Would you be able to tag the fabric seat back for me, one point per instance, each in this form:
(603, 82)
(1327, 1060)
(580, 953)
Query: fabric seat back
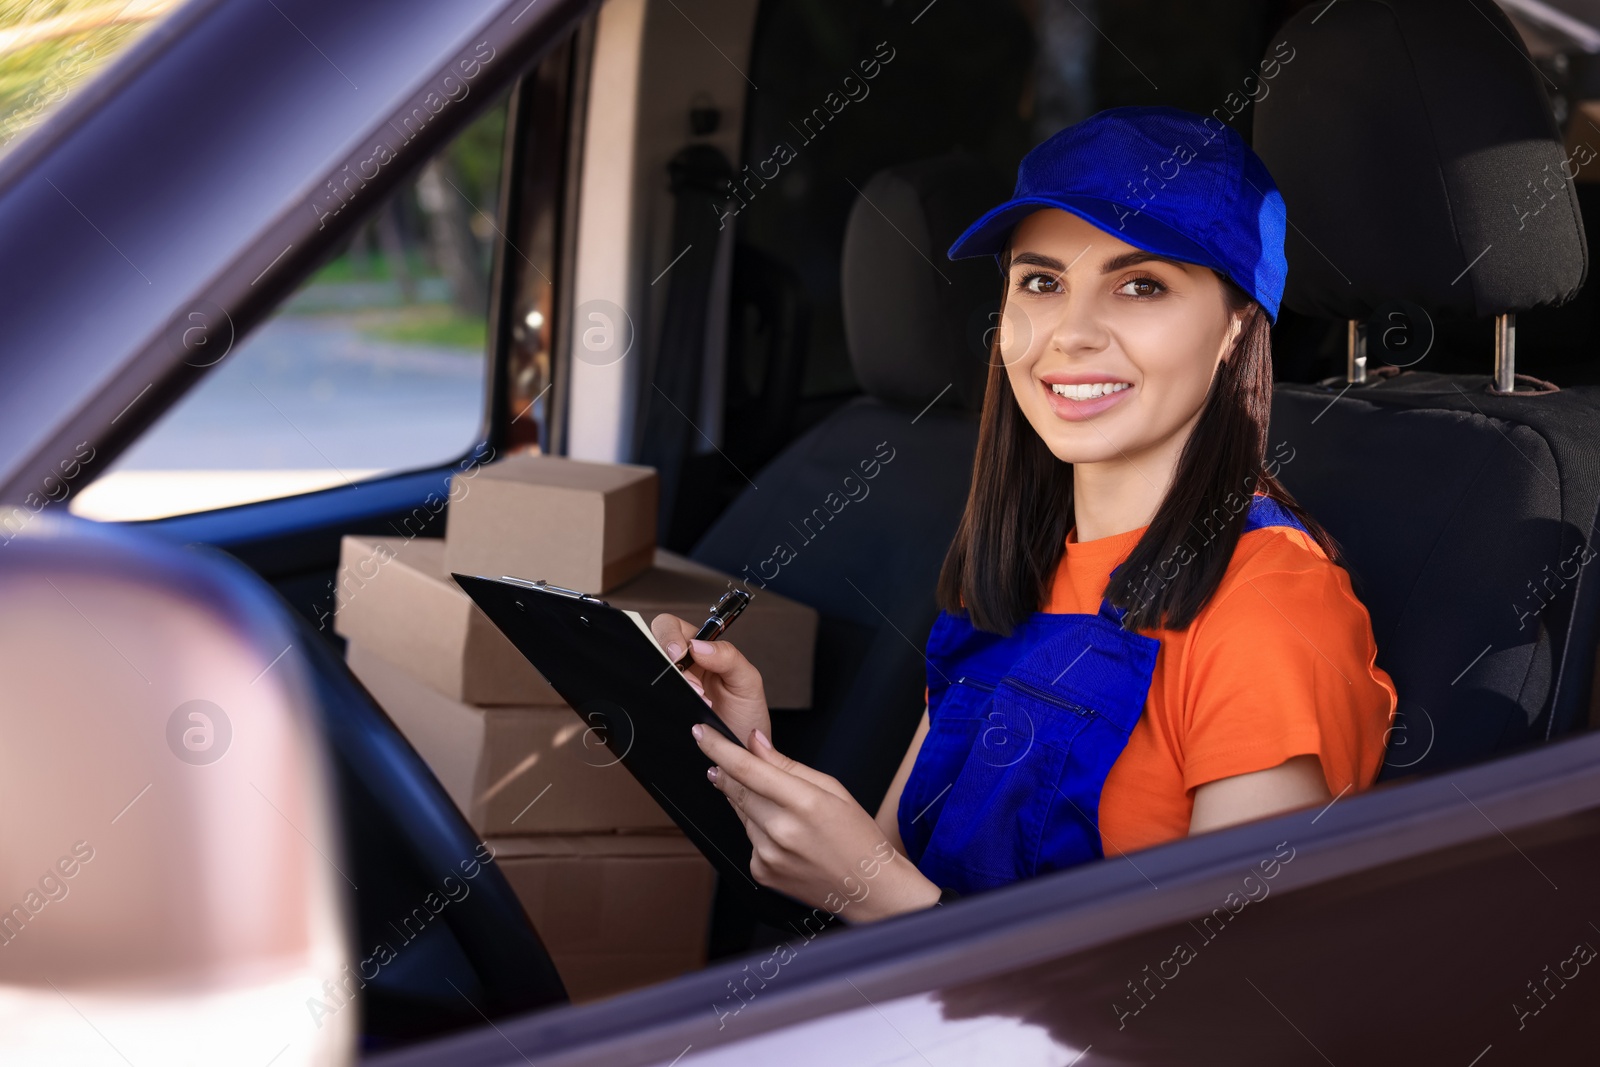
(1405, 136)
(855, 516)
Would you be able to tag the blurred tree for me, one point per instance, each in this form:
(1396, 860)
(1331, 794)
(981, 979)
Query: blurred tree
(50, 47)
(477, 157)
(391, 238)
(454, 247)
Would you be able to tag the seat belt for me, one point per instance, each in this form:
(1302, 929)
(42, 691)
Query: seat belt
(700, 176)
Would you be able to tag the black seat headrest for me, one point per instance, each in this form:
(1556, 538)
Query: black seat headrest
(915, 322)
(1419, 160)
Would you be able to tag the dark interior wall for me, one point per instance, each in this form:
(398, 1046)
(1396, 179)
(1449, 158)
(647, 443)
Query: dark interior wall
(1193, 54)
(956, 79)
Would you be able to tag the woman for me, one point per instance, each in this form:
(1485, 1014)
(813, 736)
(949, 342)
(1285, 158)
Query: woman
(1142, 635)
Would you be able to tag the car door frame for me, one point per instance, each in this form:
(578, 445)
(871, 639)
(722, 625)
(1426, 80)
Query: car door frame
(293, 541)
(144, 102)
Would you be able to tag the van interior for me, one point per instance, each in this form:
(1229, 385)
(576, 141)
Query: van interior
(708, 236)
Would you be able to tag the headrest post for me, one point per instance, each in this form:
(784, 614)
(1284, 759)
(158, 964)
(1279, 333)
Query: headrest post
(1505, 352)
(1355, 371)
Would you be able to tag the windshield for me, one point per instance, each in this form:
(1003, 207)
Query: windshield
(51, 48)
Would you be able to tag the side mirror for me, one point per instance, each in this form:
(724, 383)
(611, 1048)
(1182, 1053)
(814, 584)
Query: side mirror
(169, 879)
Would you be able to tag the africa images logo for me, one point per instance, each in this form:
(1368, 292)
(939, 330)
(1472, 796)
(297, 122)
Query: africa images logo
(199, 732)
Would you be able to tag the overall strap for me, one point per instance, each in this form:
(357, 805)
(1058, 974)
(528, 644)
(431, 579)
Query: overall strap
(1110, 612)
(1264, 511)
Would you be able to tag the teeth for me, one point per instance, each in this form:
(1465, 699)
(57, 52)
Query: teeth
(1089, 390)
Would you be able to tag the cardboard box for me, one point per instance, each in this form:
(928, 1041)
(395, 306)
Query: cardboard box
(397, 599)
(777, 635)
(588, 526)
(511, 769)
(616, 911)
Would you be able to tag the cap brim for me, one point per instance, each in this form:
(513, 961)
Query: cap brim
(987, 236)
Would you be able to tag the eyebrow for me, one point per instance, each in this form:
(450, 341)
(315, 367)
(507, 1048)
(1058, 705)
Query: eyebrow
(1037, 259)
(1115, 263)
(1128, 259)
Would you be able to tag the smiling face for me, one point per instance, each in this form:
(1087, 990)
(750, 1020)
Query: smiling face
(1109, 349)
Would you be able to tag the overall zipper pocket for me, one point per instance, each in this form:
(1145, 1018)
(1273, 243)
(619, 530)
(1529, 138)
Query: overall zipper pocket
(1031, 690)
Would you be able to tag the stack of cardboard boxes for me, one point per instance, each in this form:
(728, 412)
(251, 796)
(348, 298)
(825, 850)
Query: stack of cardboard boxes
(619, 895)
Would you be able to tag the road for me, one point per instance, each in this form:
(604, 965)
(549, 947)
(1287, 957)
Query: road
(307, 401)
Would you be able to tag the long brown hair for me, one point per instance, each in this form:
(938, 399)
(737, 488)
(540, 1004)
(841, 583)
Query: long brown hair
(1001, 564)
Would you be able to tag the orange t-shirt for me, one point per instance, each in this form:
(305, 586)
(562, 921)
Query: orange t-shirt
(1279, 663)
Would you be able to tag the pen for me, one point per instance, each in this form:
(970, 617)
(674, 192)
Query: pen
(723, 612)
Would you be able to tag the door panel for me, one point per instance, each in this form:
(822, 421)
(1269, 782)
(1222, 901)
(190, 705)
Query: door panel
(1401, 925)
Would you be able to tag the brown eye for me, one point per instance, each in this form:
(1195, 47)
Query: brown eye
(1039, 283)
(1141, 287)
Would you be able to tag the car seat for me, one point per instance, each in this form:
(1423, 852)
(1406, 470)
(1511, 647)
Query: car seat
(855, 516)
(1407, 137)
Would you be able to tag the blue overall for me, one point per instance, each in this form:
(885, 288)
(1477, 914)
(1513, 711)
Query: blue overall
(1022, 732)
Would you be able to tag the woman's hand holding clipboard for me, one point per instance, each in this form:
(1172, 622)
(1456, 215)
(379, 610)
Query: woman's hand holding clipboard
(809, 837)
(791, 834)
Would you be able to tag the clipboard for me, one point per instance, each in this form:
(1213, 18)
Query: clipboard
(605, 663)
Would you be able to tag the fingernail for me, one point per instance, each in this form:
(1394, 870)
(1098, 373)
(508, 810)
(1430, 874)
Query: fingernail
(698, 731)
(707, 700)
(674, 649)
(711, 773)
(701, 647)
(762, 738)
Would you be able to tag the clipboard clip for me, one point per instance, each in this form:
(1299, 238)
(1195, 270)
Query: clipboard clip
(545, 587)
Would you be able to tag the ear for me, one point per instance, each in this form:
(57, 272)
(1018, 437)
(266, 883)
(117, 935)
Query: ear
(1235, 328)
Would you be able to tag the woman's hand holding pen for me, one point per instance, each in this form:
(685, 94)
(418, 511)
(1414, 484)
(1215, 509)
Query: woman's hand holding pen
(809, 837)
(721, 675)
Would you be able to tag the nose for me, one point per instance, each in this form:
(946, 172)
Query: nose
(1077, 325)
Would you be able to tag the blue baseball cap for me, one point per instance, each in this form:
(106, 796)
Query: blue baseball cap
(1164, 180)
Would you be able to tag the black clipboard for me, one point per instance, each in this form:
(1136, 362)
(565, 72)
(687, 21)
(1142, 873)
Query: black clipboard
(619, 681)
